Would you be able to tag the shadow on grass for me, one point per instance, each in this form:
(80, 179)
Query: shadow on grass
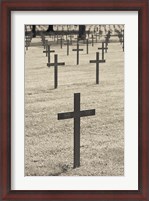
(60, 168)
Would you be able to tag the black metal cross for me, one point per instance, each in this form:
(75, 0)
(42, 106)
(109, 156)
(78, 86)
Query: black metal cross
(103, 48)
(97, 61)
(48, 51)
(68, 43)
(71, 37)
(123, 41)
(27, 43)
(43, 41)
(92, 40)
(86, 46)
(77, 52)
(46, 46)
(61, 41)
(76, 115)
(56, 64)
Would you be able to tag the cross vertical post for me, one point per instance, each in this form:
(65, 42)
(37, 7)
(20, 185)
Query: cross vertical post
(76, 130)
(86, 46)
(67, 47)
(61, 41)
(97, 68)
(92, 40)
(123, 40)
(46, 46)
(46, 43)
(55, 71)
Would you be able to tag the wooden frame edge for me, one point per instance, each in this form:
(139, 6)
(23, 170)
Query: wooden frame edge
(5, 107)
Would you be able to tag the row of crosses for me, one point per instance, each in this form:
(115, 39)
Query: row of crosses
(56, 63)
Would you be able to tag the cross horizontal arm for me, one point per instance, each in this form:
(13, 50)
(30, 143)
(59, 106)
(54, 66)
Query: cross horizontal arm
(95, 61)
(77, 49)
(66, 115)
(105, 48)
(62, 63)
(53, 64)
(48, 51)
(50, 64)
(84, 113)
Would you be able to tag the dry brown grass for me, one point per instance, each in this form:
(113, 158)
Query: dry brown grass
(49, 142)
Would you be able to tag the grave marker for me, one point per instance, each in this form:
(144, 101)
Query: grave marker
(92, 40)
(76, 115)
(68, 43)
(102, 48)
(48, 53)
(77, 50)
(61, 41)
(97, 61)
(86, 46)
(123, 40)
(46, 46)
(55, 64)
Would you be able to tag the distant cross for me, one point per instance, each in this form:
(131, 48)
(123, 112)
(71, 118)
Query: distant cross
(27, 43)
(97, 61)
(106, 43)
(123, 40)
(92, 40)
(86, 46)
(61, 42)
(57, 39)
(77, 50)
(43, 41)
(71, 38)
(76, 115)
(68, 43)
(97, 35)
(46, 46)
(48, 51)
(56, 64)
(102, 48)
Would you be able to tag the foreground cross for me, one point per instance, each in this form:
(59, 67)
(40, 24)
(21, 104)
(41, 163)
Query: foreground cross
(103, 48)
(76, 115)
(55, 64)
(97, 61)
(77, 52)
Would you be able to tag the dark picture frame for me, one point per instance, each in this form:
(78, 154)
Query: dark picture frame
(5, 104)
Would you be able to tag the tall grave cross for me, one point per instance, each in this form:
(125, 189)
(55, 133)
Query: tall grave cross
(103, 48)
(77, 52)
(55, 64)
(76, 115)
(97, 61)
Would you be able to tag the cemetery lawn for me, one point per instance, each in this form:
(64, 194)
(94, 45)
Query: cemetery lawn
(49, 141)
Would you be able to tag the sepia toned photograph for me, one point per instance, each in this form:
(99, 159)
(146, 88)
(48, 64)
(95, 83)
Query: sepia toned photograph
(74, 100)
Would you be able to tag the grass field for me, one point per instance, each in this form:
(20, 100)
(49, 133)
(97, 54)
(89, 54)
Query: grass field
(48, 141)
